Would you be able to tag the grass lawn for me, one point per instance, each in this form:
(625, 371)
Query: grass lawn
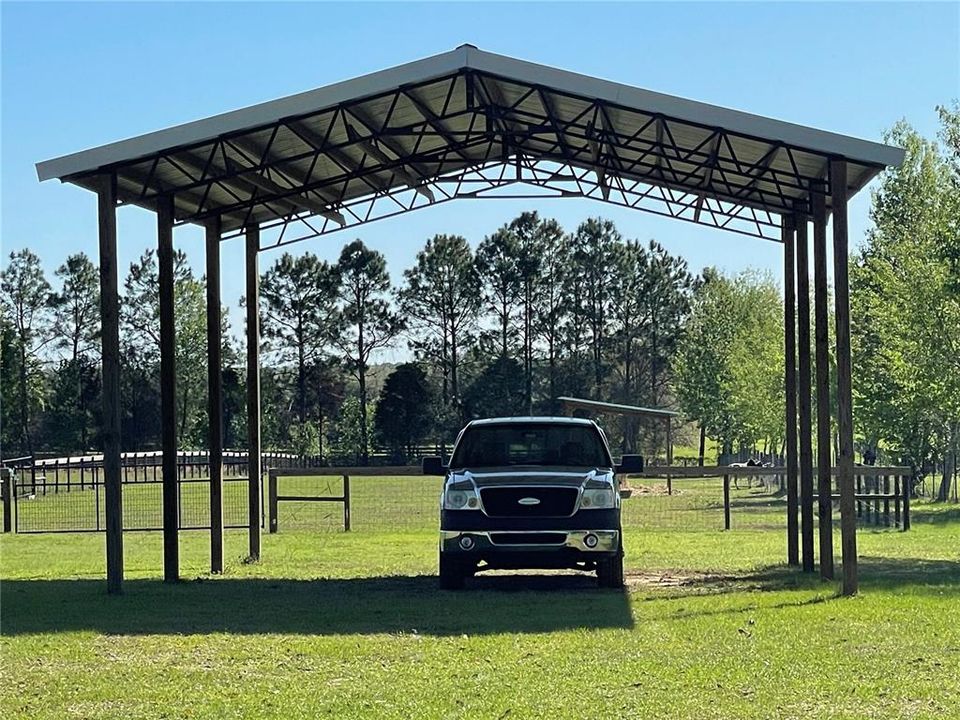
(352, 625)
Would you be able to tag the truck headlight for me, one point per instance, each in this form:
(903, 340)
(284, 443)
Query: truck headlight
(599, 498)
(458, 498)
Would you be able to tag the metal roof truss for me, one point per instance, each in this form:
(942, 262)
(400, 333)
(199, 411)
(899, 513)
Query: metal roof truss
(473, 134)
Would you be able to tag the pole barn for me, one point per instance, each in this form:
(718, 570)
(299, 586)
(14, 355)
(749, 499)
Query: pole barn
(471, 124)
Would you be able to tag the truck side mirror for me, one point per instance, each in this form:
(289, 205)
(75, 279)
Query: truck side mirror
(630, 464)
(434, 466)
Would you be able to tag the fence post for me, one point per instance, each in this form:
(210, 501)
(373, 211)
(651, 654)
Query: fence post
(6, 489)
(906, 481)
(346, 503)
(96, 496)
(726, 502)
(272, 500)
(896, 501)
(886, 501)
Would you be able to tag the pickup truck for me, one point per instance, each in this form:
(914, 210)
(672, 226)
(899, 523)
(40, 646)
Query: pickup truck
(531, 492)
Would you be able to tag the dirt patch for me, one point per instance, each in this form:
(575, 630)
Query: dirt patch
(672, 579)
(658, 489)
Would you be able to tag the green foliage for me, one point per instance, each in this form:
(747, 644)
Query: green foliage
(499, 271)
(349, 439)
(550, 305)
(729, 364)
(497, 391)
(594, 249)
(406, 410)
(298, 306)
(140, 338)
(25, 300)
(441, 301)
(369, 323)
(77, 307)
(305, 439)
(905, 304)
(650, 294)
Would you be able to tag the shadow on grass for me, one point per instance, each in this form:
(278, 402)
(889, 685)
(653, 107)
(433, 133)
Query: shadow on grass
(936, 514)
(403, 604)
(758, 503)
(877, 574)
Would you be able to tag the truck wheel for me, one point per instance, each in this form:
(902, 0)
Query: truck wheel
(452, 573)
(610, 572)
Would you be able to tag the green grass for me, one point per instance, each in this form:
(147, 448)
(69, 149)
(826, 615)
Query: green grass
(352, 625)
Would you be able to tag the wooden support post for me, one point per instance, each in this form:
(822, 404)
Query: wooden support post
(805, 456)
(822, 354)
(346, 503)
(110, 374)
(214, 394)
(253, 390)
(726, 502)
(788, 231)
(168, 391)
(848, 520)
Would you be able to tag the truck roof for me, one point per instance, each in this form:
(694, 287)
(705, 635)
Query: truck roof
(548, 419)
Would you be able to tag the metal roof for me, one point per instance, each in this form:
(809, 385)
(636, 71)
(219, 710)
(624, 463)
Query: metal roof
(468, 123)
(617, 408)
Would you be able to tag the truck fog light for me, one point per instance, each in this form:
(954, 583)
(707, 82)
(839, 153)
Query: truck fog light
(466, 542)
(471, 501)
(590, 540)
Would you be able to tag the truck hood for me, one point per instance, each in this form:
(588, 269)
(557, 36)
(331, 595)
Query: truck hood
(514, 475)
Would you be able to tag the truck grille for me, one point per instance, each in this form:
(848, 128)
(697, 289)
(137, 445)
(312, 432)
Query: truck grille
(540, 538)
(552, 501)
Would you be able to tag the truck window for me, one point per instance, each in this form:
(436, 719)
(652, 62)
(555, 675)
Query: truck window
(540, 444)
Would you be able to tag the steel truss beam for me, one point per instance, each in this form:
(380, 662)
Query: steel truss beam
(526, 177)
(382, 167)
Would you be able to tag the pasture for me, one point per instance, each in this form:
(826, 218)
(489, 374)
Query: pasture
(334, 624)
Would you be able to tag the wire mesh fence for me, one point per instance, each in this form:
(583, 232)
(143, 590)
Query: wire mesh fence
(84, 510)
(398, 500)
(396, 503)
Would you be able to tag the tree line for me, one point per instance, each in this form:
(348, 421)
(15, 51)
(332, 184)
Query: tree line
(534, 313)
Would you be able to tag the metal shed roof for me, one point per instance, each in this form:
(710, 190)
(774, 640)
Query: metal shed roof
(616, 408)
(468, 123)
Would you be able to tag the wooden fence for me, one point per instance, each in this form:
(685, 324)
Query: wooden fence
(877, 489)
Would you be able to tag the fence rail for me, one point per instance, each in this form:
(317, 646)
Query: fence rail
(876, 487)
(401, 498)
(67, 494)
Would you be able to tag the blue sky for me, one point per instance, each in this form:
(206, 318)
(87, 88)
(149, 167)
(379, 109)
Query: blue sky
(77, 75)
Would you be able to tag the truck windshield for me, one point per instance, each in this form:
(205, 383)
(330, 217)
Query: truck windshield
(531, 444)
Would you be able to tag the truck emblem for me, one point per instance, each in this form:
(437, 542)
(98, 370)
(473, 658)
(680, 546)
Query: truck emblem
(529, 501)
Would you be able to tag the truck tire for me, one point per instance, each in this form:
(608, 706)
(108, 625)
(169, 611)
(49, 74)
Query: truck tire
(452, 573)
(610, 572)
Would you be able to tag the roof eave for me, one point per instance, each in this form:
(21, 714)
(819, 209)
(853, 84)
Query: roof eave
(261, 114)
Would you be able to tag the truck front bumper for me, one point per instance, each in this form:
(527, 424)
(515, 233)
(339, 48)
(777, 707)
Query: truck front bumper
(484, 544)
